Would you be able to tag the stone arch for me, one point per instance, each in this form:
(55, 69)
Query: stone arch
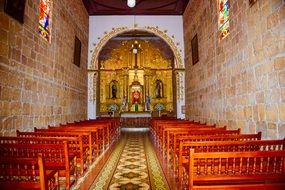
(178, 63)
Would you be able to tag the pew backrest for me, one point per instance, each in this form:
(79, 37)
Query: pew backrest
(236, 168)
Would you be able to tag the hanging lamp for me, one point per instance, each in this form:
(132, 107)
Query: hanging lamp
(131, 3)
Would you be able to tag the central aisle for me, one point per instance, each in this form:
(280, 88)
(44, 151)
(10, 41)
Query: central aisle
(132, 165)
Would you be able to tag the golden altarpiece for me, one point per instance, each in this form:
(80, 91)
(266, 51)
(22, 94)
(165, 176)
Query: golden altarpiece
(135, 78)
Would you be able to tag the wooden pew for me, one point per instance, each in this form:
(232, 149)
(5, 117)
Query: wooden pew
(160, 132)
(154, 123)
(103, 130)
(225, 146)
(156, 129)
(174, 135)
(201, 132)
(75, 146)
(115, 125)
(170, 133)
(86, 137)
(99, 133)
(110, 128)
(188, 139)
(237, 170)
(56, 157)
(26, 173)
(89, 138)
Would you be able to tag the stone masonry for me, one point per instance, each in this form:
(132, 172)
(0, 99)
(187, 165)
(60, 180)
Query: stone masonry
(239, 81)
(39, 84)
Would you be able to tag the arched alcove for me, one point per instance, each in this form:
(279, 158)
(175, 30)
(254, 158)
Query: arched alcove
(177, 72)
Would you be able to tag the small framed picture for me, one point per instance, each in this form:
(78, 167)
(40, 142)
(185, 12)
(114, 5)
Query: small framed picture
(16, 9)
(77, 51)
(195, 52)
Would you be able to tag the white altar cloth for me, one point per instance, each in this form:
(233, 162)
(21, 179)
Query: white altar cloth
(135, 114)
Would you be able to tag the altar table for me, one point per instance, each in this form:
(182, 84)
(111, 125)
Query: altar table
(135, 119)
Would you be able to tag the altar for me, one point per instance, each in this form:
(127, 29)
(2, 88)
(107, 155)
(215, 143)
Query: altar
(135, 114)
(135, 81)
(135, 119)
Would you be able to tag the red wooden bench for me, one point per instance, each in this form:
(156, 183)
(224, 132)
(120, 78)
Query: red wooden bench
(237, 170)
(26, 173)
(99, 133)
(174, 149)
(56, 157)
(161, 131)
(156, 129)
(225, 146)
(86, 137)
(114, 127)
(110, 128)
(198, 131)
(174, 135)
(75, 146)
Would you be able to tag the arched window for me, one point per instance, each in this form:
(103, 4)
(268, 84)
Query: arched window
(45, 19)
(224, 21)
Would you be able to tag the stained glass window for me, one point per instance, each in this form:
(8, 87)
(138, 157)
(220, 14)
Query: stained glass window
(224, 23)
(45, 19)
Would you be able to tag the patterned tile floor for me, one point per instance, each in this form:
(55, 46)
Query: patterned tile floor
(132, 165)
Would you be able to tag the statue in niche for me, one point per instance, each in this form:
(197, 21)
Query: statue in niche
(102, 65)
(114, 91)
(124, 103)
(148, 99)
(158, 89)
(136, 97)
(136, 106)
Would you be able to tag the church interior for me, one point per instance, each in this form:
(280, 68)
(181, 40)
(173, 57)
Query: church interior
(140, 94)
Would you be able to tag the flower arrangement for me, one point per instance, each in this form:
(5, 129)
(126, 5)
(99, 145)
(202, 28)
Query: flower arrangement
(113, 107)
(159, 107)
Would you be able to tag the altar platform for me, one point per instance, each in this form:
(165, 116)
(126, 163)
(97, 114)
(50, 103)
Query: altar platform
(135, 114)
(135, 119)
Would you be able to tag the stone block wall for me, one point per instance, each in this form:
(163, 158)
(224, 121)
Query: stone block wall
(39, 84)
(239, 81)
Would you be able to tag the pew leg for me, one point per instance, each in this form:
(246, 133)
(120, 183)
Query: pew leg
(82, 166)
(90, 150)
(75, 169)
(57, 180)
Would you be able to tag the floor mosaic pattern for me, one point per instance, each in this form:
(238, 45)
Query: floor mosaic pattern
(132, 165)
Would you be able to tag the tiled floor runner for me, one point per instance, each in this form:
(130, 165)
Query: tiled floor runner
(132, 165)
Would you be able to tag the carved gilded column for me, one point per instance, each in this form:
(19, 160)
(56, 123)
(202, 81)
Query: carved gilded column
(126, 84)
(145, 88)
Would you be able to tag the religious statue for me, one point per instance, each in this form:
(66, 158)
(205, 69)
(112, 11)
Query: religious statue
(158, 89)
(114, 91)
(148, 99)
(124, 103)
(136, 106)
(136, 96)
